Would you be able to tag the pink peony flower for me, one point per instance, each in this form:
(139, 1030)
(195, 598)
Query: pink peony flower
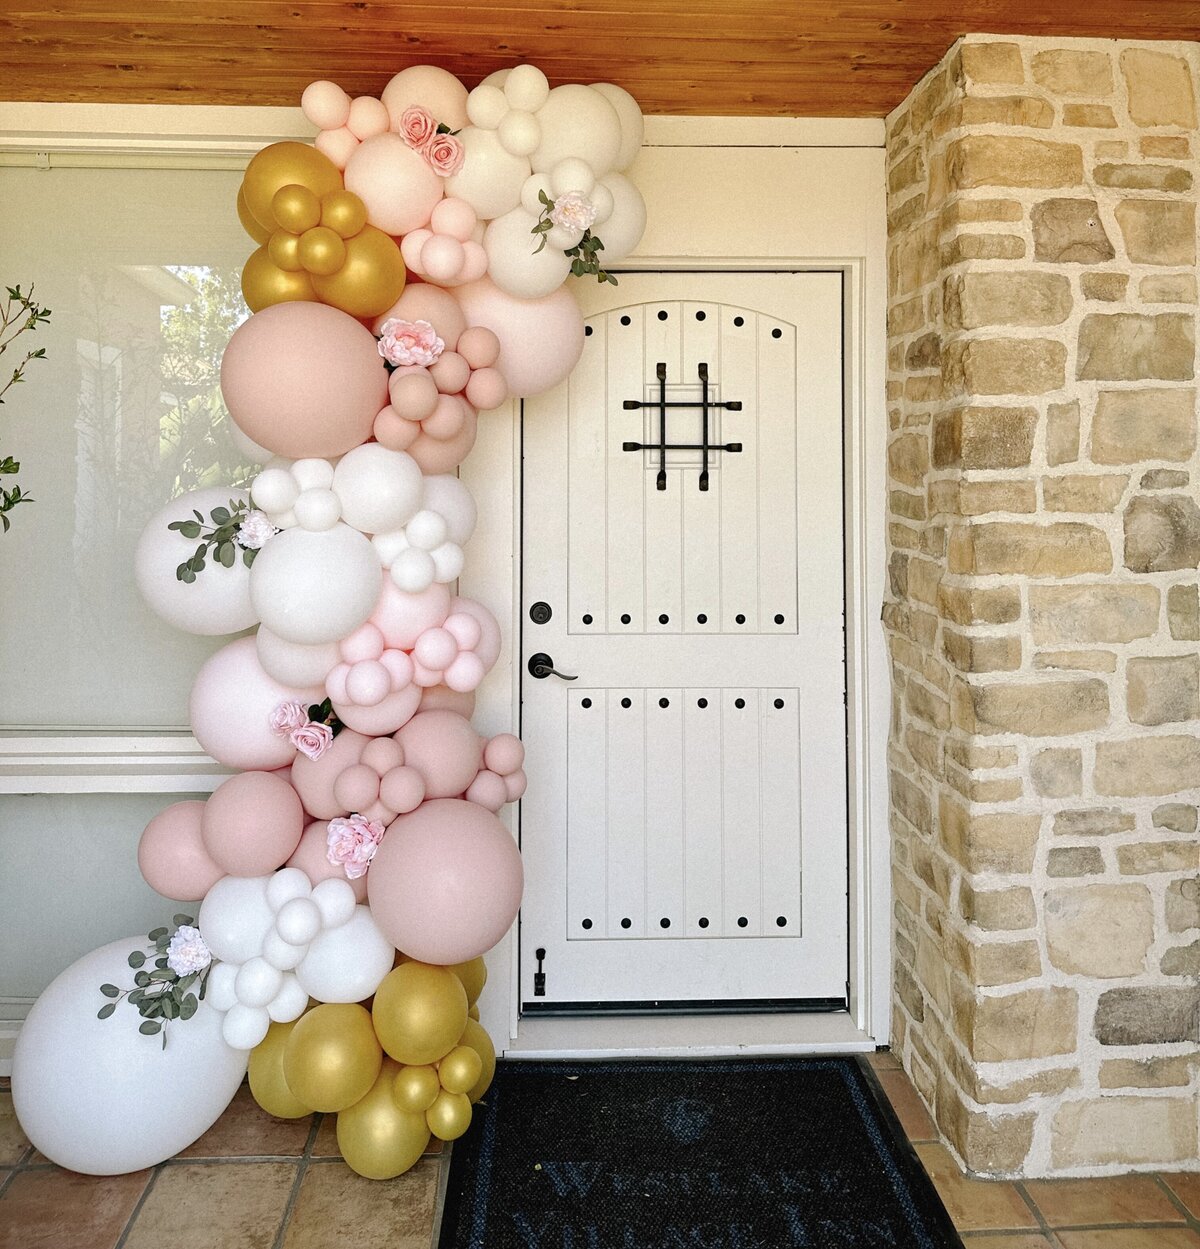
(311, 739)
(287, 717)
(417, 126)
(351, 843)
(187, 952)
(409, 342)
(254, 530)
(445, 154)
(573, 212)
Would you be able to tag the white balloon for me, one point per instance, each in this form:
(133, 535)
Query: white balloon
(289, 1002)
(426, 530)
(626, 223)
(257, 982)
(602, 202)
(243, 1027)
(491, 178)
(486, 105)
(298, 921)
(336, 899)
(247, 446)
(632, 123)
(514, 263)
(572, 174)
(97, 1096)
(448, 562)
(379, 489)
(294, 663)
(347, 964)
(317, 509)
(519, 132)
(526, 87)
(235, 916)
(280, 953)
(531, 191)
(275, 489)
(313, 473)
(286, 884)
(446, 495)
(220, 989)
(218, 601)
(316, 587)
(413, 570)
(577, 121)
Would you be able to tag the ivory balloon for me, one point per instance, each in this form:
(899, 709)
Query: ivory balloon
(626, 223)
(332, 1058)
(218, 601)
(577, 121)
(419, 1012)
(267, 1084)
(379, 489)
(294, 663)
(347, 963)
(491, 177)
(446, 495)
(377, 1138)
(629, 114)
(515, 264)
(171, 853)
(96, 1095)
(396, 183)
(476, 1036)
(235, 918)
(434, 89)
(251, 824)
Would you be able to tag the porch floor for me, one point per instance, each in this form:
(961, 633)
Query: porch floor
(253, 1182)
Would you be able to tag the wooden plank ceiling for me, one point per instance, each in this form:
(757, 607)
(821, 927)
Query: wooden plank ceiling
(848, 58)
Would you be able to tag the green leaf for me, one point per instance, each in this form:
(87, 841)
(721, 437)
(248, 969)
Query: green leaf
(170, 1008)
(136, 996)
(137, 958)
(160, 963)
(152, 1027)
(248, 556)
(180, 920)
(106, 1010)
(142, 979)
(155, 933)
(226, 554)
(188, 1007)
(110, 990)
(220, 516)
(160, 974)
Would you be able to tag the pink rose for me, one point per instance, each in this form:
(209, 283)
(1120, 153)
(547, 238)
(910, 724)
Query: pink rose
(445, 154)
(311, 739)
(417, 126)
(351, 843)
(287, 717)
(409, 342)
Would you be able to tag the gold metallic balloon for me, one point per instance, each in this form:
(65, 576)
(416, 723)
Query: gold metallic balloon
(460, 1070)
(255, 229)
(474, 977)
(475, 1035)
(264, 283)
(449, 1116)
(295, 208)
(343, 212)
(371, 279)
(376, 1137)
(332, 1058)
(416, 1089)
(282, 164)
(322, 251)
(284, 250)
(473, 1013)
(420, 1012)
(267, 1084)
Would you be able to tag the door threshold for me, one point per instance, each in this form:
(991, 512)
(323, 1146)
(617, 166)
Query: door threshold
(690, 1036)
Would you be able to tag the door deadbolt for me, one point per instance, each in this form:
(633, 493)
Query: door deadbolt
(540, 613)
(542, 666)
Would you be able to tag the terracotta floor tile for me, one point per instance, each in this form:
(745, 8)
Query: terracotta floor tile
(1020, 1240)
(235, 1205)
(884, 1060)
(907, 1104)
(1113, 1199)
(974, 1205)
(335, 1206)
(1132, 1238)
(56, 1209)
(13, 1142)
(1186, 1186)
(245, 1130)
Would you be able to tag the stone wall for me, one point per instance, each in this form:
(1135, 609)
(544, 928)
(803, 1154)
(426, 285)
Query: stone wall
(1042, 610)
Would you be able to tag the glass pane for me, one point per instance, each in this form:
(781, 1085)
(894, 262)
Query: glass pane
(86, 892)
(141, 270)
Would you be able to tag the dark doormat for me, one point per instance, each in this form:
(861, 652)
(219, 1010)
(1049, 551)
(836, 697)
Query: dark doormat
(786, 1153)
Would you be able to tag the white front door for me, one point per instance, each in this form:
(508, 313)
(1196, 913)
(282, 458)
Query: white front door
(684, 833)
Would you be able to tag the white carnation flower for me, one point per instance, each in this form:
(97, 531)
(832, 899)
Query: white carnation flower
(187, 952)
(254, 530)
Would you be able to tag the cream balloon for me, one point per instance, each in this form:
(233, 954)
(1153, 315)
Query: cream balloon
(515, 264)
(577, 121)
(626, 224)
(450, 498)
(235, 917)
(295, 663)
(434, 89)
(526, 88)
(491, 177)
(633, 125)
(347, 963)
(379, 489)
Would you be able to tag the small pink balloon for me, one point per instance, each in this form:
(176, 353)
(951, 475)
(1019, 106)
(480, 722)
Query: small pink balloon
(451, 373)
(486, 389)
(314, 778)
(479, 346)
(442, 258)
(475, 262)
(402, 617)
(382, 754)
(435, 649)
(504, 754)
(465, 673)
(368, 683)
(325, 104)
(436, 455)
(414, 395)
(465, 629)
(514, 785)
(402, 789)
(368, 117)
(443, 698)
(338, 145)
(446, 882)
(411, 244)
(448, 419)
(454, 217)
(172, 857)
(394, 182)
(252, 824)
(444, 749)
(312, 859)
(488, 790)
(366, 642)
(488, 649)
(357, 787)
(391, 430)
(423, 302)
(384, 717)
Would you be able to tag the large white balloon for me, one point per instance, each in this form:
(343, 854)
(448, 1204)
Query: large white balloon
(235, 917)
(347, 963)
(446, 495)
(95, 1095)
(294, 663)
(626, 224)
(514, 262)
(218, 601)
(491, 177)
(379, 489)
(316, 587)
(633, 125)
(577, 121)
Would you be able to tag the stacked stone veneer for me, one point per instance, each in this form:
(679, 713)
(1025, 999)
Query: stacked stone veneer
(1044, 537)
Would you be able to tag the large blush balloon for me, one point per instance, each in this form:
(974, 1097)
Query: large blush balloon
(445, 883)
(396, 183)
(422, 302)
(231, 704)
(303, 379)
(97, 1096)
(435, 90)
(252, 823)
(314, 779)
(218, 600)
(171, 854)
(444, 749)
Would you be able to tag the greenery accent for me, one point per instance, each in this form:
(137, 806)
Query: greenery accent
(159, 994)
(323, 713)
(27, 315)
(585, 255)
(220, 540)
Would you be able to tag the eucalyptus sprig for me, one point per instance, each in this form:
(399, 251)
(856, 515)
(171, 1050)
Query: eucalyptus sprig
(160, 994)
(26, 315)
(584, 255)
(218, 535)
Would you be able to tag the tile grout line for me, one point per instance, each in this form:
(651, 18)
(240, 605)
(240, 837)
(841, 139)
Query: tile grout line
(137, 1209)
(1193, 1220)
(1043, 1226)
(301, 1170)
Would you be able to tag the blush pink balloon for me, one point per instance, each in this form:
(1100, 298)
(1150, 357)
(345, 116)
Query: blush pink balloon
(314, 779)
(447, 419)
(172, 857)
(393, 431)
(504, 753)
(325, 104)
(231, 704)
(338, 145)
(488, 790)
(252, 823)
(445, 884)
(433, 88)
(488, 647)
(443, 698)
(357, 787)
(414, 395)
(423, 302)
(402, 618)
(311, 857)
(479, 346)
(444, 749)
(402, 790)
(384, 717)
(451, 373)
(367, 117)
(454, 217)
(436, 455)
(486, 389)
(303, 380)
(396, 184)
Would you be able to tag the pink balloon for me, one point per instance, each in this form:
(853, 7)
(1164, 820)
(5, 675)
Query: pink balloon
(488, 648)
(338, 145)
(311, 858)
(488, 790)
(252, 823)
(357, 787)
(444, 749)
(414, 395)
(435, 648)
(514, 785)
(454, 217)
(367, 117)
(480, 346)
(402, 790)
(434, 89)
(382, 755)
(384, 717)
(451, 373)
(486, 389)
(445, 884)
(303, 380)
(443, 698)
(541, 340)
(395, 182)
(504, 754)
(231, 704)
(172, 857)
(436, 455)
(422, 302)
(442, 258)
(325, 104)
(447, 419)
(391, 430)
(314, 779)
(402, 618)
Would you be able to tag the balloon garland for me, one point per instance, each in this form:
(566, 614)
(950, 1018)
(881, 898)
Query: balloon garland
(409, 275)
